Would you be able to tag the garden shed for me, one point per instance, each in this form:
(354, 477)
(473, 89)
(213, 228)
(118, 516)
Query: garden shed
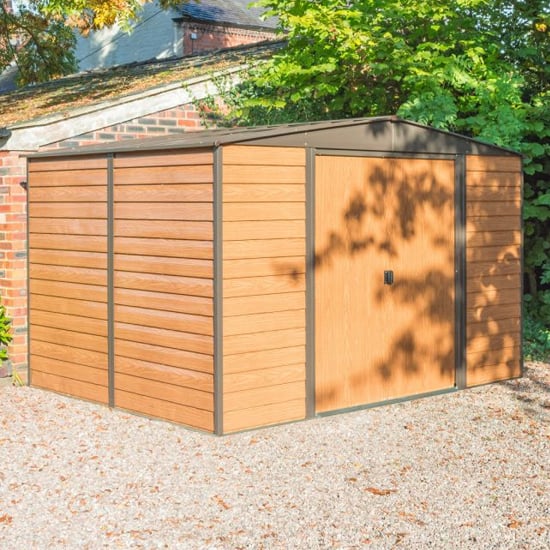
(235, 278)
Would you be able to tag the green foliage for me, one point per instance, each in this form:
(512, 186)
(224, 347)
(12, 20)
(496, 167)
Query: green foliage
(39, 37)
(5, 336)
(536, 336)
(476, 67)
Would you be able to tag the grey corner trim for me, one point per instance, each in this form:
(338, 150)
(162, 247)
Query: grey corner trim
(110, 282)
(460, 271)
(218, 292)
(310, 282)
(521, 260)
(29, 369)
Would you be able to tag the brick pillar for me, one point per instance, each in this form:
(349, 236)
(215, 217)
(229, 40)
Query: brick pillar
(13, 255)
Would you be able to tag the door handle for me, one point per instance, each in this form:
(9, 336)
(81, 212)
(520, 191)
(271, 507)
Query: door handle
(388, 277)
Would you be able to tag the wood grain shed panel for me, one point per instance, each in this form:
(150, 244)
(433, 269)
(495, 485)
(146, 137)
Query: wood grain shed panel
(493, 272)
(263, 285)
(163, 285)
(67, 276)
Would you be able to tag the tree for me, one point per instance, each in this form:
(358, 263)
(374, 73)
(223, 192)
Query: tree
(472, 66)
(38, 37)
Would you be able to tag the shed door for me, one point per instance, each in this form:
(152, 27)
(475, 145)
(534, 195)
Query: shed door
(374, 340)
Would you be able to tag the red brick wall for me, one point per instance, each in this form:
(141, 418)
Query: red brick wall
(173, 121)
(13, 252)
(213, 37)
(13, 230)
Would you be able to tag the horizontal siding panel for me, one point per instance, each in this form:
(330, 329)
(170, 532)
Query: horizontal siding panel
(74, 323)
(69, 370)
(260, 322)
(165, 247)
(68, 194)
(268, 358)
(167, 356)
(265, 377)
(166, 338)
(263, 156)
(491, 342)
(186, 267)
(496, 253)
(70, 354)
(188, 192)
(162, 391)
(252, 286)
(264, 415)
(493, 238)
(493, 208)
(492, 164)
(493, 223)
(256, 397)
(260, 267)
(505, 311)
(68, 258)
(164, 158)
(68, 226)
(68, 163)
(202, 173)
(90, 342)
(68, 290)
(247, 174)
(174, 412)
(164, 301)
(78, 210)
(244, 343)
(167, 374)
(241, 231)
(508, 267)
(257, 211)
(67, 386)
(495, 188)
(494, 297)
(245, 305)
(201, 211)
(81, 275)
(484, 282)
(493, 373)
(263, 193)
(165, 319)
(492, 327)
(274, 248)
(84, 308)
(507, 358)
(202, 231)
(74, 243)
(64, 178)
(165, 283)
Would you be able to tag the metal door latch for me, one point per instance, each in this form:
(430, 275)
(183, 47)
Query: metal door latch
(388, 277)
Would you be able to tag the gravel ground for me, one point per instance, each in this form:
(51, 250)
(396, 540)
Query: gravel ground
(465, 470)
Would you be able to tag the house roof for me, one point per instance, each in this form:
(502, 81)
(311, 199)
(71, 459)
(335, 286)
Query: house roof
(62, 97)
(234, 12)
(377, 134)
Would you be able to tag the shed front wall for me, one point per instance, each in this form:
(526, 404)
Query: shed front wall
(264, 265)
(121, 272)
(493, 255)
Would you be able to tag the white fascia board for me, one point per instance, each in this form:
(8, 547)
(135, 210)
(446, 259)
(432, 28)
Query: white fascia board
(35, 134)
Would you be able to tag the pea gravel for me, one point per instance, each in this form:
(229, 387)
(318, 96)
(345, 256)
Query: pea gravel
(465, 470)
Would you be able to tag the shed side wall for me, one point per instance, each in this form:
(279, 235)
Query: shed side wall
(493, 254)
(68, 275)
(264, 249)
(163, 285)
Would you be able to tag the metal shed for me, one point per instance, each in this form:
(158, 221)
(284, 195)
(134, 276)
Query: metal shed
(230, 279)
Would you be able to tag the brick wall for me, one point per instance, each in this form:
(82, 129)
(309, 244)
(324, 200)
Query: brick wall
(213, 37)
(13, 254)
(13, 230)
(173, 121)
